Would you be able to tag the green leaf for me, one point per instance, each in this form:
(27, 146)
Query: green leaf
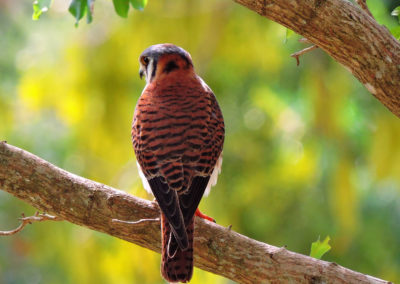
(318, 249)
(78, 9)
(289, 33)
(396, 12)
(121, 7)
(39, 7)
(138, 4)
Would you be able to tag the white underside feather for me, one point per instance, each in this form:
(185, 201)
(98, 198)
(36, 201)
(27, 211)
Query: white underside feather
(214, 176)
(145, 182)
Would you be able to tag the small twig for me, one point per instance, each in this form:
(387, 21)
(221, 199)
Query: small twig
(301, 52)
(29, 220)
(363, 5)
(136, 222)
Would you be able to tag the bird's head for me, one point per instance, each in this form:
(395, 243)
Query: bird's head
(161, 59)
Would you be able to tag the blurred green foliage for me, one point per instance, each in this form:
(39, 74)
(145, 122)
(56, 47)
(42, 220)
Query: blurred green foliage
(308, 150)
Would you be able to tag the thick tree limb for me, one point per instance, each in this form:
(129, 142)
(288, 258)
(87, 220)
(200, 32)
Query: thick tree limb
(348, 34)
(217, 249)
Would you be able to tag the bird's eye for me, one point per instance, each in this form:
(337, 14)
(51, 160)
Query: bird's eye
(145, 60)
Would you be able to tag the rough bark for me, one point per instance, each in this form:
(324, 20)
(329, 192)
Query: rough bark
(349, 35)
(217, 249)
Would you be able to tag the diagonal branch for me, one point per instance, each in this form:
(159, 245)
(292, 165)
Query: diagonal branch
(351, 36)
(99, 207)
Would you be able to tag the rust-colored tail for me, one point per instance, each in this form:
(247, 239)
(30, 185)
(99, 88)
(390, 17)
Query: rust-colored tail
(176, 265)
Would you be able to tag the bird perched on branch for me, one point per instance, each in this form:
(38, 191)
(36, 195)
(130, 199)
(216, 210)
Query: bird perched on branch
(177, 134)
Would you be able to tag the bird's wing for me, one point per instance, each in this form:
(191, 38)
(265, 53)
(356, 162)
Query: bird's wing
(207, 142)
(189, 201)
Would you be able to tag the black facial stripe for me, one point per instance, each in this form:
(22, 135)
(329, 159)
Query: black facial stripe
(170, 66)
(153, 74)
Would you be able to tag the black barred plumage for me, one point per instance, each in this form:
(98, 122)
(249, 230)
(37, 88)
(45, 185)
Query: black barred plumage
(177, 134)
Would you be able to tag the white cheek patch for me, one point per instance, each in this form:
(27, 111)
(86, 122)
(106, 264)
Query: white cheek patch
(214, 176)
(149, 71)
(146, 184)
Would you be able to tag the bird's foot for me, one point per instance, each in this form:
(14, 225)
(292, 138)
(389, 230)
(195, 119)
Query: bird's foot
(203, 216)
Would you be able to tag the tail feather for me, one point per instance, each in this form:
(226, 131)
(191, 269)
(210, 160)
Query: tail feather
(176, 264)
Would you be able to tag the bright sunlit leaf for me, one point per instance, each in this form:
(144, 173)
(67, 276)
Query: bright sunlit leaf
(138, 4)
(396, 12)
(39, 7)
(121, 7)
(318, 248)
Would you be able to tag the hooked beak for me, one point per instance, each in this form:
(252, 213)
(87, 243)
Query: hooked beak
(142, 71)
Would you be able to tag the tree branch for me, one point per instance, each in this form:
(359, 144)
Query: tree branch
(100, 207)
(29, 220)
(301, 52)
(363, 5)
(348, 34)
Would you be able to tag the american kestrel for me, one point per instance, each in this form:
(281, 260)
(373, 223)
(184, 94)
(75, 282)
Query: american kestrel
(177, 135)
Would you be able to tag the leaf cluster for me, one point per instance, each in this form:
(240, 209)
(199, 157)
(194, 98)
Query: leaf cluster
(80, 8)
(396, 30)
